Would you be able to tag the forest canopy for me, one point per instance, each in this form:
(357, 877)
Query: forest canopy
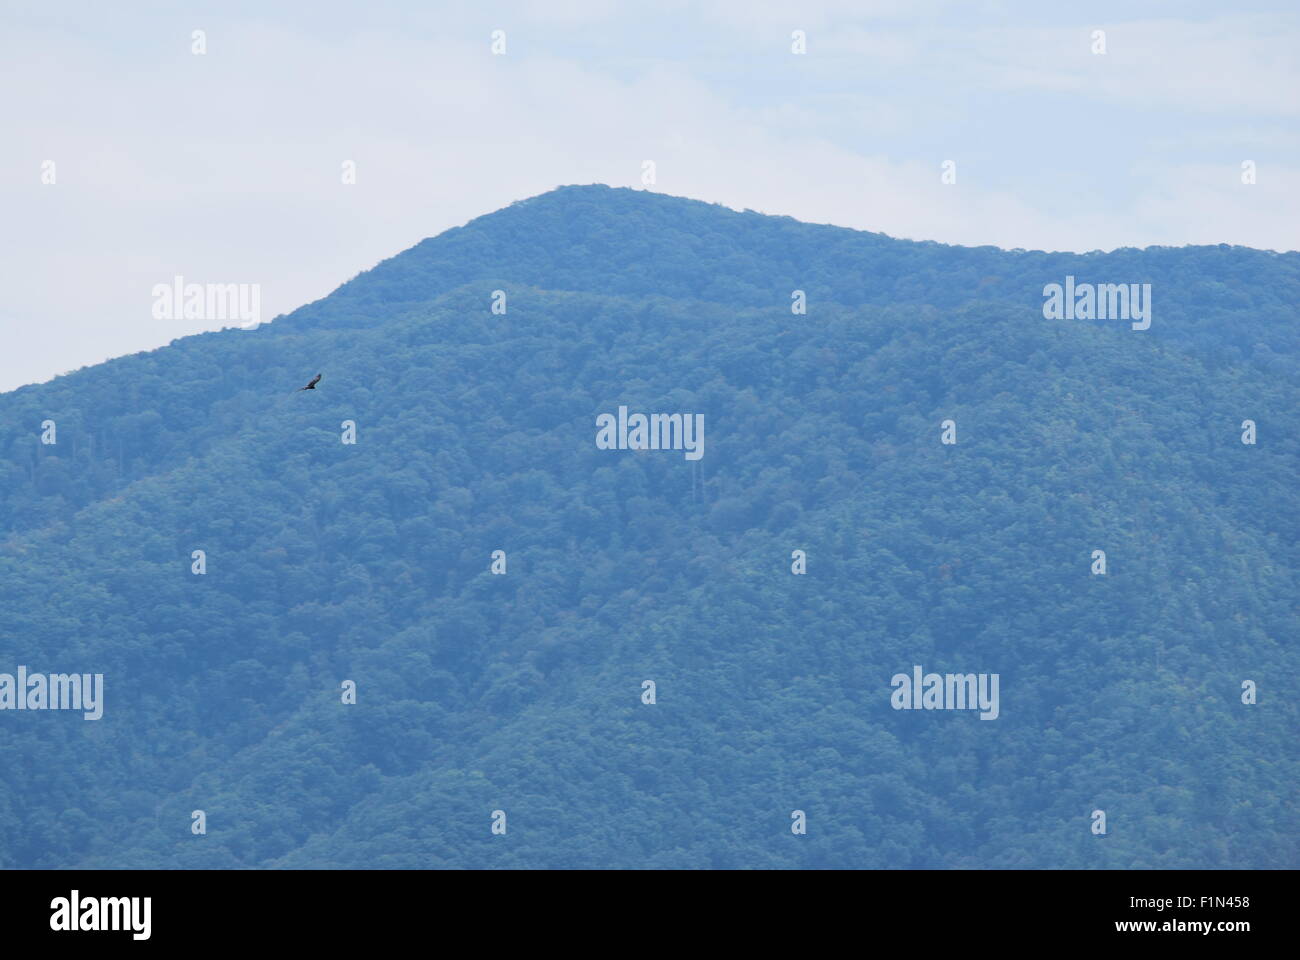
(522, 691)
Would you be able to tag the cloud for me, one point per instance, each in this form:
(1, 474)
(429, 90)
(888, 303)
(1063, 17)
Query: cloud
(225, 168)
(1242, 63)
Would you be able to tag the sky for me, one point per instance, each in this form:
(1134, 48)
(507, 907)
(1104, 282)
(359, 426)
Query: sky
(227, 166)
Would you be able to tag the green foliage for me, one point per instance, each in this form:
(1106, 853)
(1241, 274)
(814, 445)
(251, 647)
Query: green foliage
(521, 692)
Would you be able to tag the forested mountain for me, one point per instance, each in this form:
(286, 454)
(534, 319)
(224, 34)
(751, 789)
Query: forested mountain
(522, 692)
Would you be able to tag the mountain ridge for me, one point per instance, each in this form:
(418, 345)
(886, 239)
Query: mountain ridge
(358, 293)
(521, 691)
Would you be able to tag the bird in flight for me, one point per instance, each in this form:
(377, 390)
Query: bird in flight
(312, 386)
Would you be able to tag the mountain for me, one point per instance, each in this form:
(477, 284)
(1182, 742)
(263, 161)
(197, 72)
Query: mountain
(476, 432)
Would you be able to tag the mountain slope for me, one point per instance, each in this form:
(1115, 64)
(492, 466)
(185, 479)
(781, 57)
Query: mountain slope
(476, 432)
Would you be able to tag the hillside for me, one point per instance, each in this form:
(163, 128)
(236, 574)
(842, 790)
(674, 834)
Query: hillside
(476, 432)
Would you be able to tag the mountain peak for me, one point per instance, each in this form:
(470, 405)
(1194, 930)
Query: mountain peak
(631, 242)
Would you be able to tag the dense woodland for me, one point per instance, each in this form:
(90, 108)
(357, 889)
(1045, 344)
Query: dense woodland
(521, 692)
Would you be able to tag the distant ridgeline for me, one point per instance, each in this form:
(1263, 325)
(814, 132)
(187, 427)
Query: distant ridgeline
(989, 561)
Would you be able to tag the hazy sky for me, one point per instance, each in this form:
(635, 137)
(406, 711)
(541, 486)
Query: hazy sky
(226, 167)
